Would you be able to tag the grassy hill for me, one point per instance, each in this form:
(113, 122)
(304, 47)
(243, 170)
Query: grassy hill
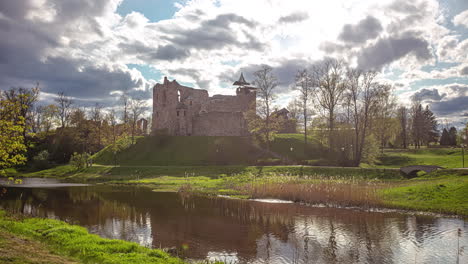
(180, 150)
(202, 150)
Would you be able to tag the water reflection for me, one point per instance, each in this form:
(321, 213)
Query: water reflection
(238, 231)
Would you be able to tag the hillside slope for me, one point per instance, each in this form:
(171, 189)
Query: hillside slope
(180, 150)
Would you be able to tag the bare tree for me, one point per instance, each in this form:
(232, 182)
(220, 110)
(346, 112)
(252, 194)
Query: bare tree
(403, 120)
(328, 79)
(304, 84)
(112, 121)
(137, 107)
(363, 96)
(97, 116)
(64, 104)
(125, 102)
(386, 123)
(294, 108)
(265, 82)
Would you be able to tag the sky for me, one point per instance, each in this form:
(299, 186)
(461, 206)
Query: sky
(93, 50)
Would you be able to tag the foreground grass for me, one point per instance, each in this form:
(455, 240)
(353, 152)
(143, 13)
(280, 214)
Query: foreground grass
(74, 242)
(56, 241)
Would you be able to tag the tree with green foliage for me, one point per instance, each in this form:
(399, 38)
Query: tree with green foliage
(12, 127)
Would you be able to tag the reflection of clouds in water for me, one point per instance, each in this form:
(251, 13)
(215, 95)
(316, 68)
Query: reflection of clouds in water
(226, 257)
(136, 231)
(239, 231)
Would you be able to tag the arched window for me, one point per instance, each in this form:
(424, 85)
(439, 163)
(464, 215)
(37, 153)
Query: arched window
(178, 96)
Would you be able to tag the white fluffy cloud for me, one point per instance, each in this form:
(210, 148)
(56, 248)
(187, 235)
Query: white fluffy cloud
(461, 19)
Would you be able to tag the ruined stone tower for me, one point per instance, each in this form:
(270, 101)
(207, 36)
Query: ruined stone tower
(185, 111)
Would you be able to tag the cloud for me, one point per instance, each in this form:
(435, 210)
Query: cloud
(294, 17)
(368, 28)
(464, 71)
(215, 34)
(450, 107)
(427, 94)
(49, 50)
(387, 50)
(461, 19)
(449, 100)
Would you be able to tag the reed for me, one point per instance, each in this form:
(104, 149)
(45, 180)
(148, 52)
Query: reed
(332, 191)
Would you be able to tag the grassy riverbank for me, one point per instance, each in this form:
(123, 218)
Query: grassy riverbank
(444, 157)
(37, 240)
(440, 192)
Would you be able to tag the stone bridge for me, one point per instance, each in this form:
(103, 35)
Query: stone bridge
(412, 170)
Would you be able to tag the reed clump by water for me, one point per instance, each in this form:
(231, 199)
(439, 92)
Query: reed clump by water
(329, 191)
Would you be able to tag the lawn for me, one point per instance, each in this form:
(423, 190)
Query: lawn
(441, 192)
(444, 157)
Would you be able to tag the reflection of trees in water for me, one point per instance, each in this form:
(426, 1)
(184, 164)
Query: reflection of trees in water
(254, 230)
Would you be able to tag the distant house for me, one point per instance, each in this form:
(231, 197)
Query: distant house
(288, 125)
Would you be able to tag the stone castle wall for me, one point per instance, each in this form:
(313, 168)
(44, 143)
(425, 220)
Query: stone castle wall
(182, 110)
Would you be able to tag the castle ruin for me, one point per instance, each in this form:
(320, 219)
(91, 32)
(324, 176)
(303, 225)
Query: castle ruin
(185, 111)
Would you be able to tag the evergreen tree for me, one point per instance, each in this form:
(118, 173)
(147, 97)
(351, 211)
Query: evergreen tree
(444, 139)
(431, 133)
(452, 136)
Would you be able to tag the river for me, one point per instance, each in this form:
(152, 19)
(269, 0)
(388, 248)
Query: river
(241, 231)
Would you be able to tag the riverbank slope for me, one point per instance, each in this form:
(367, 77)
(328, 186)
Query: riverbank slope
(37, 240)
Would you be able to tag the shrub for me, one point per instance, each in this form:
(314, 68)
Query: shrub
(79, 160)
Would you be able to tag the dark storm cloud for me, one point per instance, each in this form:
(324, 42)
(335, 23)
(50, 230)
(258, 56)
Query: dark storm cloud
(23, 44)
(148, 53)
(427, 94)
(294, 17)
(387, 50)
(450, 107)
(214, 34)
(368, 28)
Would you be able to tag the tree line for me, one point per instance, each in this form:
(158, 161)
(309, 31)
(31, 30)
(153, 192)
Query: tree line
(350, 113)
(42, 135)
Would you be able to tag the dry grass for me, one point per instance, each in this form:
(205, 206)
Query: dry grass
(334, 192)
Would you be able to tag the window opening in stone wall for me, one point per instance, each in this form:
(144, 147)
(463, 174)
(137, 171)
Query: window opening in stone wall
(178, 96)
(164, 97)
(184, 113)
(177, 113)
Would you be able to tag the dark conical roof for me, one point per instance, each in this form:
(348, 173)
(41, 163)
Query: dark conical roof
(241, 81)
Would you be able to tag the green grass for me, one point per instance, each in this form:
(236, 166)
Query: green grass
(442, 192)
(75, 242)
(110, 173)
(182, 151)
(444, 157)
